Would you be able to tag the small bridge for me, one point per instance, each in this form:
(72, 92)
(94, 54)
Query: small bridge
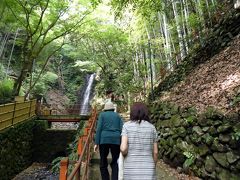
(69, 114)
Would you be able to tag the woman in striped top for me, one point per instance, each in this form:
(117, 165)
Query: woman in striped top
(139, 145)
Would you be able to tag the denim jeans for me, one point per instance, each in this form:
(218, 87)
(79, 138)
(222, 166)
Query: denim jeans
(104, 151)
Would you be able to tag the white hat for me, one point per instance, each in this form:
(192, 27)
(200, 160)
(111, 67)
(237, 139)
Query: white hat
(108, 106)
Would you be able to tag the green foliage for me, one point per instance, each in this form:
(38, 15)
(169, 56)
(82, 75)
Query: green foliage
(6, 87)
(236, 135)
(50, 77)
(39, 89)
(190, 119)
(44, 26)
(48, 80)
(194, 20)
(190, 159)
(236, 100)
(87, 66)
(56, 164)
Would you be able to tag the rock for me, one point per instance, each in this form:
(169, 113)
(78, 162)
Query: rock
(183, 145)
(198, 130)
(235, 176)
(196, 139)
(212, 131)
(234, 117)
(213, 114)
(205, 129)
(217, 146)
(181, 131)
(176, 120)
(188, 140)
(221, 158)
(231, 157)
(199, 162)
(223, 128)
(210, 164)
(178, 159)
(160, 151)
(207, 138)
(167, 116)
(192, 111)
(202, 120)
(170, 142)
(169, 150)
(172, 154)
(163, 142)
(223, 174)
(234, 144)
(165, 123)
(236, 127)
(174, 109)
(224, 138)
(216, 123)
(203, 150)
(238, 165)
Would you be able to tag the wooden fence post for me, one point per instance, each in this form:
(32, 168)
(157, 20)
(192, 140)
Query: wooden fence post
(14, 109)
(63, 169)
(30, 108)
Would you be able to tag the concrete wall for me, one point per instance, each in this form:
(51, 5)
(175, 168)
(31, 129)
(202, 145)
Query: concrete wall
(49, 144)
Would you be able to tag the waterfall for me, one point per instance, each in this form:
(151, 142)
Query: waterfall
(85, 105)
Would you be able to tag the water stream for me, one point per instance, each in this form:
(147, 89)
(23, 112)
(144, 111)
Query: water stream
(86, 97)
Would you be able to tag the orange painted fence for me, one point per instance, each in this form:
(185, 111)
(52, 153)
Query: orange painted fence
(13, 113)
(81, 169)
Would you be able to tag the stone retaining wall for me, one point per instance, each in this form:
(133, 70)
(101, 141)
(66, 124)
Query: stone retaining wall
(15, 149)
(30, 141)
(206, 144)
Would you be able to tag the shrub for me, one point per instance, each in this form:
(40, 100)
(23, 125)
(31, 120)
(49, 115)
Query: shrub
(6, 87)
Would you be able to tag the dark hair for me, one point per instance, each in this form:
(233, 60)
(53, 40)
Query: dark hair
(139, 112)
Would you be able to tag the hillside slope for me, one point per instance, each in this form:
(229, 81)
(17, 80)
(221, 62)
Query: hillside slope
(214, 83)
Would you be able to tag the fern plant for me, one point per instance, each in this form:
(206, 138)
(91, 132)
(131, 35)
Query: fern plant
(190, 159)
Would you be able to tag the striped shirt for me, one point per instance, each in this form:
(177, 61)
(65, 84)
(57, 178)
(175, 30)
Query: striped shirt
(139, 163)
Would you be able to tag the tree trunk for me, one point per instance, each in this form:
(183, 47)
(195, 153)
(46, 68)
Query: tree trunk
(182, 46)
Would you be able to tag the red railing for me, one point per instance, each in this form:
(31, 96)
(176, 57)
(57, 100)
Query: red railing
(80, 170)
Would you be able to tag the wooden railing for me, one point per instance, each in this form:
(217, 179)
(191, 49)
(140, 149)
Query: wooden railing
(80, 171)
(13, 113)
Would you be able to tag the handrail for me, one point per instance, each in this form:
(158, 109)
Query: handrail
(82, 151)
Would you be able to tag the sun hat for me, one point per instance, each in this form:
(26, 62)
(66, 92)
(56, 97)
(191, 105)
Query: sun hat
(108, 106)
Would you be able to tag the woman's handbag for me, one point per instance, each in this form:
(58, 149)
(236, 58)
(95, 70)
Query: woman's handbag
(120, 166)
